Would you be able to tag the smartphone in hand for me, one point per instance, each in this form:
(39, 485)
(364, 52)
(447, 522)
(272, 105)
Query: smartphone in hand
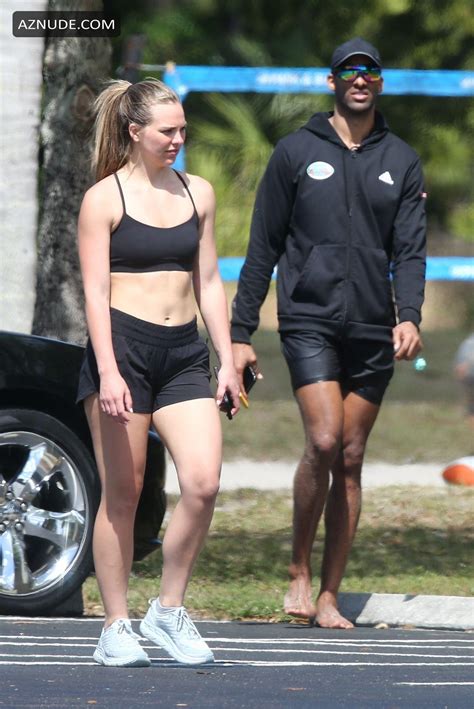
(226, 402)
(249, 377)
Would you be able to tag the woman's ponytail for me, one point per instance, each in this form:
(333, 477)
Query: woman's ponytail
(120, 104)
(111, 139)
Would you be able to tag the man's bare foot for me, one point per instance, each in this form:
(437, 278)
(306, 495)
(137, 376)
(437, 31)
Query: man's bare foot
(298, 601)
(327, 614)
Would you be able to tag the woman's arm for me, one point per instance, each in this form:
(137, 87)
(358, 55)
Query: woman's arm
(94, 227)
(209, 291)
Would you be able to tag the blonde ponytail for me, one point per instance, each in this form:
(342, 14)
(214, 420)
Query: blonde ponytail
(120, 104)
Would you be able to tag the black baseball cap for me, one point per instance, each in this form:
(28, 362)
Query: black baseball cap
(355, 46)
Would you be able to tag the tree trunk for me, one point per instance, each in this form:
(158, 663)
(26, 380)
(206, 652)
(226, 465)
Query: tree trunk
(74, 69)
(21, 60)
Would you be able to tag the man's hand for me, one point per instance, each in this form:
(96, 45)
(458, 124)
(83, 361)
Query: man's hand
(406, 340)
(244, 355)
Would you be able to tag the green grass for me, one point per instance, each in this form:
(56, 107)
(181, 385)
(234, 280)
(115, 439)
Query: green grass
(410, 540)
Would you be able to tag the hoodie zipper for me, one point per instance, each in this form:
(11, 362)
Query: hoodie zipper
(350, 154)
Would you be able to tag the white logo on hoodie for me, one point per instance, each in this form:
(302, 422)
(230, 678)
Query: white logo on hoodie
(320, 170)
(386, 177)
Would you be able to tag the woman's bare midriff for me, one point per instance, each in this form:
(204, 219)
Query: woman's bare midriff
(160, 297)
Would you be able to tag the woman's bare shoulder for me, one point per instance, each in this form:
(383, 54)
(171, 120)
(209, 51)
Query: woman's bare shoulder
(105, 188)
(103, 199)
(200, 188)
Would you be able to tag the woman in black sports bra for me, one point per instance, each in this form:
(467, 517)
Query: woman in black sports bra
(147, 252)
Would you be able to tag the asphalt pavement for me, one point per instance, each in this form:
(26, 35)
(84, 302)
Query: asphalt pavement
(365, 609)
(48, 663)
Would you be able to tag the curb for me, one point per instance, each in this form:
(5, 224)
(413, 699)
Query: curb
(416, 611)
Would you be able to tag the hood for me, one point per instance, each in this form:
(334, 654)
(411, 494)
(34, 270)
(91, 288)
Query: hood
(320, 126)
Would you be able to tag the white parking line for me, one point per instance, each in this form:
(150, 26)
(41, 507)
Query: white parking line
(381, 652)
(289, 663)
(340, 652)
(261, 663)
(47, 637)
(434, 684)
(49, 662)
(336, 641)
(22, 644)
(254, 650)
(451, 643)
(27, 657)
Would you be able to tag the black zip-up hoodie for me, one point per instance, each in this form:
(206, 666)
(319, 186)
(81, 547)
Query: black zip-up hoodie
(333, 219)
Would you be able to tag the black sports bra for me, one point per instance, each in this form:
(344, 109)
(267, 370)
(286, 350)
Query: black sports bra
(136, 247)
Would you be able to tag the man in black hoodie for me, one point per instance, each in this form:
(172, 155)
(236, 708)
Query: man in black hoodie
(340, 211)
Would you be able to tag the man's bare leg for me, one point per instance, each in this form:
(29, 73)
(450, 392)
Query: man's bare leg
(321, 408)
(343, 508)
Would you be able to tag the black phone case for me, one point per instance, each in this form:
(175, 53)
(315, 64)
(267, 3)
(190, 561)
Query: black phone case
(249, 378)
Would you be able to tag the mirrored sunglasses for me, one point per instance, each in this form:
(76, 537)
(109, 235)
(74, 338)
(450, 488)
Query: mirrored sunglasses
(371, 74)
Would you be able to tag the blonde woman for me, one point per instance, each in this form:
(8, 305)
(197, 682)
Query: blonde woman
(147, 253)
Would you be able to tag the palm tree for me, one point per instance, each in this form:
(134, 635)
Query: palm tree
(232, 147)
(21, 60)
(74, 68)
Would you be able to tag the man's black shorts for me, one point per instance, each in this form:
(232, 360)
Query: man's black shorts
(161, 365)
(363, 366)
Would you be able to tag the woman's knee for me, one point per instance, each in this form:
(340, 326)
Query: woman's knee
(121, 500)
(201, 487)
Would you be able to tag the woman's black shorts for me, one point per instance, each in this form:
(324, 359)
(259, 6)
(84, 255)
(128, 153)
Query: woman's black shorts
(161, 365)
(361, 365)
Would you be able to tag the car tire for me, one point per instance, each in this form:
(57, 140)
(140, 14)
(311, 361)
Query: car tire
(49, 493)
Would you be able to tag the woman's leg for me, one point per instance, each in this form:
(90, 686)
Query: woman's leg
(120, 453)
(191, 431)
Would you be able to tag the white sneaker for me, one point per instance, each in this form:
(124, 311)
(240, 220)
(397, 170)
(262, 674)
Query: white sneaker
(174, 631)
(118, 646)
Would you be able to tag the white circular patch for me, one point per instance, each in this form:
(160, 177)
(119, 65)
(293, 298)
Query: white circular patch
(320, 170)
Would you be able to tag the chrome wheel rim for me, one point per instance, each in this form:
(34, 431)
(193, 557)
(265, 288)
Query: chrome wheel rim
(44, 513)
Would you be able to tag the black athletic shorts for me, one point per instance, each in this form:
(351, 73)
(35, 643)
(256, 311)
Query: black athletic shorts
(161, 365)
(363, 366)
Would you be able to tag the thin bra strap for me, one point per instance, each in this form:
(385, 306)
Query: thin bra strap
(187, 189)
(121, 193)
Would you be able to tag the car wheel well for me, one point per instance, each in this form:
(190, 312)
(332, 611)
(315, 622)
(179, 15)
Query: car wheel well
(72, 417)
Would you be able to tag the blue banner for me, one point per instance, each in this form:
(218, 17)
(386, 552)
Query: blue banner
(438, 268)
(450, 268)
(422, 82)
